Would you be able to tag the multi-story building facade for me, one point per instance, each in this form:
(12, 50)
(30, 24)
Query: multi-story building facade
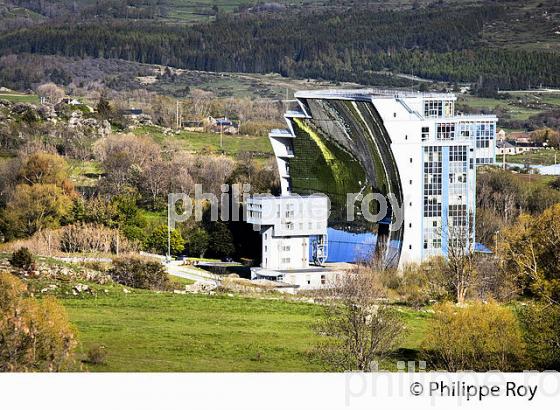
(409, 146)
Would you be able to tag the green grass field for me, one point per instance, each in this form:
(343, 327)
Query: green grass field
(517, 112)
(19, 98)
(147, 331)
(167, 332)
(84, 173)
(538, 157)
(209, 142)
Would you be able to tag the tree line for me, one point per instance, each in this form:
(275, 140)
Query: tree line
(343, 45)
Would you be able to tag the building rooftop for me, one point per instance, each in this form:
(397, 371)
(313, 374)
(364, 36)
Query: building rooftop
(372, 92)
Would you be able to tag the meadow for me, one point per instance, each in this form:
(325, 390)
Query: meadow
(147, 331)
(207, 142)
(537, 157)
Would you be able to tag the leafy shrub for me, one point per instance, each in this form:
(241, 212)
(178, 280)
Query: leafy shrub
(424, 283)
(22, 258)
(157, 241)
(97, 354)
(34, 335)
(142, 273)
(480, 337)
(541, 330)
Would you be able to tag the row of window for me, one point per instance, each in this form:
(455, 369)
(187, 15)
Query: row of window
(438, 108)
(466, 130)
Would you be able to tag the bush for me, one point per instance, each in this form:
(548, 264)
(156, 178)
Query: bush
(96, 354)
(424, 283)
(541, 330)
(142, 273)
(22, 258)
(481, 337)
(157, 241)
(34, 335)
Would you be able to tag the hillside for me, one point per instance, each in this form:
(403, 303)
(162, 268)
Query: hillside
(508, 45)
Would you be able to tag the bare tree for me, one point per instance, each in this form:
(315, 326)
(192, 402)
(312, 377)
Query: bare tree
(359, 329)
(51, 92)
(461, 266)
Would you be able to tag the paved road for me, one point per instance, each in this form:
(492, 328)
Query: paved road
(175, 268)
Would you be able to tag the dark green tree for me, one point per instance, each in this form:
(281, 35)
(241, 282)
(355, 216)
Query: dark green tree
(197, 242)
(221, 241)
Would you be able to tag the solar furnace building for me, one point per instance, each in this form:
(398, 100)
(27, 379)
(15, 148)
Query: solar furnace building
(411, 146)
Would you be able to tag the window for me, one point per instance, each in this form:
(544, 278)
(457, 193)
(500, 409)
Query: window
(425, 133)
(411, 160)
(323, 279)
(458, 153)
(285, 260)
(445, 131)
(433, 109)
(286, 248)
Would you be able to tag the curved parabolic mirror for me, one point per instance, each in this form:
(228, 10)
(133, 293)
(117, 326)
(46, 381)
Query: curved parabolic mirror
(344, 148)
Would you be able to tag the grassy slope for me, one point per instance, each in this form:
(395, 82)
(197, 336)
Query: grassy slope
(166, 332)
(517, 112)
(208, 142)
(145, 331)
(540, 157)
(19, 98)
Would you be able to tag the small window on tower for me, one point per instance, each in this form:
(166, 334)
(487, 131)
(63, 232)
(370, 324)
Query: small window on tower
(425, 133)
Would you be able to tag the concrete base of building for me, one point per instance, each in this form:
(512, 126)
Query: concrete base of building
(297, 280)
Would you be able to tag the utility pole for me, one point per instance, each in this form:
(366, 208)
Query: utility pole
(168, 256)
(222, 136)
(496, 249)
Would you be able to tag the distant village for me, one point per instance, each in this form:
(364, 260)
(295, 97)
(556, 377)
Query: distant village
(517, 142)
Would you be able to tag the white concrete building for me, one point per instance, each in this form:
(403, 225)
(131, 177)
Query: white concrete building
(286, 224)
(294, 234)
(410, 145)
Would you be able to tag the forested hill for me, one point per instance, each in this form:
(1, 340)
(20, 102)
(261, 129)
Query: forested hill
(442, 43)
